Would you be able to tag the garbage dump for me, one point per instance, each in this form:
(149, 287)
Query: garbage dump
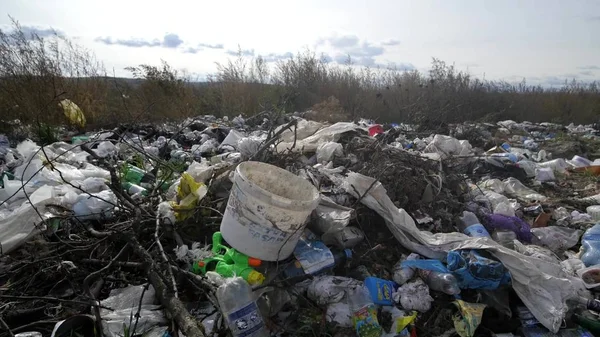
(283, 226)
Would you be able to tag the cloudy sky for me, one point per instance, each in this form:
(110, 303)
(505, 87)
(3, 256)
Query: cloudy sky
(545, 41)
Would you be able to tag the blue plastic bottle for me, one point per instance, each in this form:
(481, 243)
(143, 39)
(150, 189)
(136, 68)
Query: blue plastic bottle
(380, 290)
(590, 246)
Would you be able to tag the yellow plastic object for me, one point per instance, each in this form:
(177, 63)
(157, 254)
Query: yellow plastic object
(402, 323)
(255, 278)
(189, 192)
(468, 318)
(73, 112)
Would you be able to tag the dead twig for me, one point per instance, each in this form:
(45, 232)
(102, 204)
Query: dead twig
(92, 277)
(162, 251)
(51, 299)
(5, 326)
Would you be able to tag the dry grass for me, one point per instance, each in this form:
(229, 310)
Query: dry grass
(36, 73)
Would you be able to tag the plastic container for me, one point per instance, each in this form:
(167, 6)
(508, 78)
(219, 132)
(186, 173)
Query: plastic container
(594, 212)
(240, 309)
(364, 313)
(590, 246)
(267, 211)
(380, 290)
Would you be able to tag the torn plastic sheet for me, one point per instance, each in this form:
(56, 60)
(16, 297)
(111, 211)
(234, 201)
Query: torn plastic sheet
(542, 286)
(310, 144)
(330, 217)
(126, 302)
(21, 223)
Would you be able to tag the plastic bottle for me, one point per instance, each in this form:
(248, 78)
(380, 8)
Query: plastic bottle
(590, 246)
(380, 290)
(505, 238)
(239, 309)
(444, 282)
(401, 275)
(364, 313)
(294, 269)
(137, 176)
(470, 225)
(134, 189)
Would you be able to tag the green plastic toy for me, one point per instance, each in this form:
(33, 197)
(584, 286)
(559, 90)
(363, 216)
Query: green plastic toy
(228, 262)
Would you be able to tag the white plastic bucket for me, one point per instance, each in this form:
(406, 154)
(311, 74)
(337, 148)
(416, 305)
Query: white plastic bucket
(267, 211)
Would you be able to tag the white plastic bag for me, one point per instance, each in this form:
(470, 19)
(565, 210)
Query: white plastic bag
(327, 151)
(327, 289)
(248, 146)
(125, 302)
(19, 224)
(414, 296)
(105, 149)
(200, 171)
(95, 205)
(231, 141)
(557, 238)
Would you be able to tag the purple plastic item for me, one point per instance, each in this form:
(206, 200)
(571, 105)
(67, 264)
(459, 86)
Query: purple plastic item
(511, 223)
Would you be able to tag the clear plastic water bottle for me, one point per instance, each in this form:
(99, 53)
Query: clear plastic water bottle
(239, 308)
(364, 313)
(444, 282)
(470, 225)
(590, 246)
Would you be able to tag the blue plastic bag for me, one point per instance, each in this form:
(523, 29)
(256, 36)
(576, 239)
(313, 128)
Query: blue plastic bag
(474, 271)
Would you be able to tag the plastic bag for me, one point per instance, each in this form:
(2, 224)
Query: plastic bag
(189, 192)
(330, 289)
(340, 313)
(73, 112)
(512, 223)
(330, 217)
(515, 188)
(310, 144)
(557, 238)
(208, 146)
(126, 302)
(468, 317)
(231, 141)
(248, 146)
(414, 296)
(95, 205)
(19, 224)
(106, 149)
(474, 271)
(327, 151)
(200, 171)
